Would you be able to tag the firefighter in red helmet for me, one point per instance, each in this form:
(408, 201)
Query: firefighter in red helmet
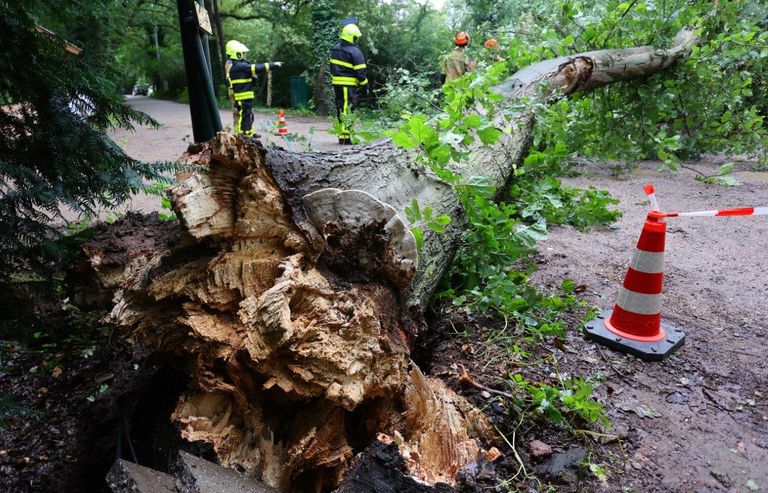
(458, 62)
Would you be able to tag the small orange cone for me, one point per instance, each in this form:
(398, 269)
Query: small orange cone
(634, 325)
(282, 127)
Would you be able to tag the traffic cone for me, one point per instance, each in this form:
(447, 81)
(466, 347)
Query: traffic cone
(634, 325)
(282, 128)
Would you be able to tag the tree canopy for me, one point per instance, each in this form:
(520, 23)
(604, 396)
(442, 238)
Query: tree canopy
(56, 107)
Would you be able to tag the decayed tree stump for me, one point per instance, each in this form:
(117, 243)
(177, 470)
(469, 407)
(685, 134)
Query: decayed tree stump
(291, 289)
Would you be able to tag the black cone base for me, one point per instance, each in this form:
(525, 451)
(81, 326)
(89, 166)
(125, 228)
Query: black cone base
(649, 351)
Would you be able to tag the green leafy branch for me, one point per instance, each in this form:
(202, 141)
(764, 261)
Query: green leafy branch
(421, 217)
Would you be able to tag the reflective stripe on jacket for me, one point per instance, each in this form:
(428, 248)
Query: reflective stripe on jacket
(348, 65)
(242, 75)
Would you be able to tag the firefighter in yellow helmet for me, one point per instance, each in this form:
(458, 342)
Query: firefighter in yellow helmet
(349, 76)
(458, 62)
(241, 75)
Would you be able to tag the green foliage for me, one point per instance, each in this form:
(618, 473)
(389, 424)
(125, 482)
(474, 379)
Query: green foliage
(546, 199)
(158, 189)
(421, 217)
(720, 177)
(656, 117)
(298, 142)
(54, 149)
(705, 104)
(396, 34)
(572, 398)
(325, 32)
(406, 92)
(598, 471)
(491, 268)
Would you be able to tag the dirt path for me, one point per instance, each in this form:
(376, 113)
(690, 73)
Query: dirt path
(171, 140)
(706, 408)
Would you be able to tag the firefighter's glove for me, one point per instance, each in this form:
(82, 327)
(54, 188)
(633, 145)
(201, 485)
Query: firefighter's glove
(277, 64)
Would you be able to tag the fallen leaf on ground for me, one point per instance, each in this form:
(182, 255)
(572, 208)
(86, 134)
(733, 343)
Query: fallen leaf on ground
(641, 410)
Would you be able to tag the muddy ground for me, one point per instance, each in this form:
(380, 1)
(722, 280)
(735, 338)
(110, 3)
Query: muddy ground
(704, 423)
(693, 423)
(697, 422)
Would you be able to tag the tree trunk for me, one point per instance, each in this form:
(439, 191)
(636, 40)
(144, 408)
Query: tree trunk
(325, 32)
(216, 18)
(292, 286)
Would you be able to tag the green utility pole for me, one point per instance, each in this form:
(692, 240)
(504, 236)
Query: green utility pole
(194, 26)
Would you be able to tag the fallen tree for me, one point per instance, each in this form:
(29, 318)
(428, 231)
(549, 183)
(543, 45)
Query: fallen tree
(291, 290)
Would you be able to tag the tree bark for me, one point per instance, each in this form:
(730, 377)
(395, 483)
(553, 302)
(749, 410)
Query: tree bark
(325, 15)
(291, 289)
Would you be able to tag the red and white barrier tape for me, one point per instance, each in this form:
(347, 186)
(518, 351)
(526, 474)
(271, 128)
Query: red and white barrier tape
(740, 211)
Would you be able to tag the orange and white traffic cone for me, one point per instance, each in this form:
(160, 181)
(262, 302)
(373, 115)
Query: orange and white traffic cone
(282, 127)
(634, 325)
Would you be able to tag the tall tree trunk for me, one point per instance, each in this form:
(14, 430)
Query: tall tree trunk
(217, 25)
(292, 286)
(325, 29)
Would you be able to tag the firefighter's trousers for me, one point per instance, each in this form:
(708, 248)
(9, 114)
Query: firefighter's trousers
(346, 101)
(244, 123)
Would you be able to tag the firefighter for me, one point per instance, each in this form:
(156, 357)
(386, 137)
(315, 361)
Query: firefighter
(241, 75)
(458, 62)
(349, 77)
(492, 47)
(492, 44)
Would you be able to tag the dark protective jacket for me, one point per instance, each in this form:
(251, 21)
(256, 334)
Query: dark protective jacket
(242, 75)
(348, 65)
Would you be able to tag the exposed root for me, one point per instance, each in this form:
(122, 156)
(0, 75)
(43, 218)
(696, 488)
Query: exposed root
(297, 352)
(465, 378)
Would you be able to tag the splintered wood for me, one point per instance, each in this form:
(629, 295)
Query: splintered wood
(292, 331)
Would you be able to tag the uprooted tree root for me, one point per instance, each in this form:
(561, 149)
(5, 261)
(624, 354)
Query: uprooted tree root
(295, 365)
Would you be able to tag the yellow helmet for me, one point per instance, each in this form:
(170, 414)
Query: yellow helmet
(236, 50)
(351, 33)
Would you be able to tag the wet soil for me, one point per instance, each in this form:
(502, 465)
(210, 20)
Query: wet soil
(711, 398)
(697, 421)
(75, 393)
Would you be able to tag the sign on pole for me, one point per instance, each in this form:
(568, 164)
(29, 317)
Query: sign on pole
(203, 21)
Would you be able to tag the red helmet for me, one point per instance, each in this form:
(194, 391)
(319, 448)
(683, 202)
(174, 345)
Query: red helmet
(462, 39)
(491, 43)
